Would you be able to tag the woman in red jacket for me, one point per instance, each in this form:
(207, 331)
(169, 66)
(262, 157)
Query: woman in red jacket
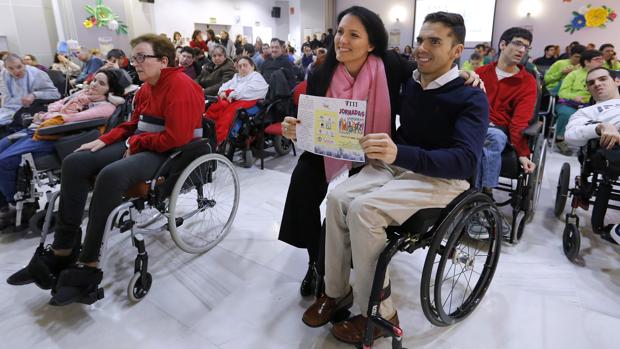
(167, 115)
(198, 41)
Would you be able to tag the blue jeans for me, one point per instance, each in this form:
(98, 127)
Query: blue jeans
(491, 161)
(10, 158)
(564, 113)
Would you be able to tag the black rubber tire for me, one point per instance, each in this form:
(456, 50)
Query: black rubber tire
(135, 290)
(282, 145)
(535, 181)
(248, 159)
(561, 194)
(446, 246)
(571, 241)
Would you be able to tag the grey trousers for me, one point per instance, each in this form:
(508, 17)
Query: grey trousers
(359, 210)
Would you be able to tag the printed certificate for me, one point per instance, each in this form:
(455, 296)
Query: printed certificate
(331, 127)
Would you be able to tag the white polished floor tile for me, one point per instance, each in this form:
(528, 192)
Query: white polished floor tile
(244, 293)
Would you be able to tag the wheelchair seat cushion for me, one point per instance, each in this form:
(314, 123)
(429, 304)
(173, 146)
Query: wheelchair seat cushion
(420, 222)
(274, 129)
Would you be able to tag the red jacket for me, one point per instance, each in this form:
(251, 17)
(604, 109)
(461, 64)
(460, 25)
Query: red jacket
(512, 101)
(175, 98)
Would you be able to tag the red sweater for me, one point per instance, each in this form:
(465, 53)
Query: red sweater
(512, 101)
(175, 98)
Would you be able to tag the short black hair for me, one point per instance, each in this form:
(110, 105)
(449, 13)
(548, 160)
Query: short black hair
(475, 56)
(249, 49)
(482, 46)
(612, 73)
(516, 32)
(604, 46)
(115, 53)
(548, 47)
(189, 50)
(278, 40)
(587, 55)
(577, 49)
(454, 21)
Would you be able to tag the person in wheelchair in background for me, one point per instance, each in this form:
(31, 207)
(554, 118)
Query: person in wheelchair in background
(600, 121)
(92, 102)
(24, 85)
(167, 115)
(242, 91)
(425, 164)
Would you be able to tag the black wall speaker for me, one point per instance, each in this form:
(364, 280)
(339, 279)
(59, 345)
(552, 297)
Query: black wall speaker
(275, 12)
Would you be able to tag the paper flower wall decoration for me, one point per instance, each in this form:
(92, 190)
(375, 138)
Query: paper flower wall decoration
(591, 17)
(102, 16)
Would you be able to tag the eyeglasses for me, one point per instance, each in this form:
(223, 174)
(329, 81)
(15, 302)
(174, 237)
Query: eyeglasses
(140, 58)
(519, 45)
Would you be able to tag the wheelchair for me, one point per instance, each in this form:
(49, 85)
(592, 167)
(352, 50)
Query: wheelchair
(597, 184)
(524, 188)
(196, 192)
(446, 297)
(40, 171)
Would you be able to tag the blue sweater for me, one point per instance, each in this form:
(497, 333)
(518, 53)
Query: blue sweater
(442, 130)
(90, 67)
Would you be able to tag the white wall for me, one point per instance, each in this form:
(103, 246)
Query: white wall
(383, 8)
(30, 28)
(548, 25)
(140, 18)
(180, 15)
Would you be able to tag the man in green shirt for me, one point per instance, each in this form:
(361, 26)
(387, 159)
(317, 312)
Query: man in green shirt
(558, 70)
(609, 55)
(574, 94)
(473, 63)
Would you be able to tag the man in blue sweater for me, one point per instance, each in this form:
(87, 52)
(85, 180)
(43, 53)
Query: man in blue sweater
(91, 65)
(425, 164)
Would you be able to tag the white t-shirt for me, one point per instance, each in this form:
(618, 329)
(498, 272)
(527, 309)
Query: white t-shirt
(503, 74)
(582, 124)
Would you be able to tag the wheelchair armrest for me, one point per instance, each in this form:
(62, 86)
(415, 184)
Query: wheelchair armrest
(174, 153)
(532, 130)
(72, 126)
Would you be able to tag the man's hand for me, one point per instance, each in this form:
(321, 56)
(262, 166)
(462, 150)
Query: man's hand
(92, 146)
(110, 65)
(289, 127)
(379, 146)
(568, 69)
(27, 100)
(527, 164)
(609, 135)
(473, 79)
(579, 99)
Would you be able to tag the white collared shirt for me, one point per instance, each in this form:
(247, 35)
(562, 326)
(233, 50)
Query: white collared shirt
(440, 81)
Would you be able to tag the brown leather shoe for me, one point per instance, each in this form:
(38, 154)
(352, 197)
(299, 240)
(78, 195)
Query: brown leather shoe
(352, 331)
(319, 313)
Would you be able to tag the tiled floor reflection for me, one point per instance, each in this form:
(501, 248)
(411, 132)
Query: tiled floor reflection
(244, 292)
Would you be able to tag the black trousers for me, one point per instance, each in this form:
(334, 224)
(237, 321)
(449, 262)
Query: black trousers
(301, 219)
(115, 175)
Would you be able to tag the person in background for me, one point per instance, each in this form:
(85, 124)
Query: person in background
(330, 37)
(177, 39)
(65, 65)
(315, 43)
(265, 54)
(291, 54)
(548, 59)
(198, 40)
(562, 67)
(609, 55)
(32, 61)
(591, 46)
(200, 60)
(258, 45)
(307, 58)
(323, 40)
(211, 39)
(117, 59)
(91, 65)
(474, 62)
(239, 42)
(408, 52)
(227, 43)
(186, 60)
(278, 60)
(567, 51)
(222, 70)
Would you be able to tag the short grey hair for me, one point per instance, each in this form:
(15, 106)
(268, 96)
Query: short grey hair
(12, 57)
(218, 47)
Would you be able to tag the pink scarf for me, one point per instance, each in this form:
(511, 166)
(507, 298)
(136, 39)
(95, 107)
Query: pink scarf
(371, 86)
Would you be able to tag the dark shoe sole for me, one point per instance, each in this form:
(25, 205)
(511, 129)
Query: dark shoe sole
(85, 298)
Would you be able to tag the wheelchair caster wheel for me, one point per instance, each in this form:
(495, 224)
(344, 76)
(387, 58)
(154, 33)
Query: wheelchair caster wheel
(571, 241)
(137, 290)
(248, 159)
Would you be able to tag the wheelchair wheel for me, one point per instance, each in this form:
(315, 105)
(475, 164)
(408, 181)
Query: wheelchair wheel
(136, 291)
(535, 180)
(203, 203)
(459, 267)
(35, 223)
(281, 145)
(248, 158)
(561, 193)
(571, 241)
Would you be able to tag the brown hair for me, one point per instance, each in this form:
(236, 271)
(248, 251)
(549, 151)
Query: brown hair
(162, 47)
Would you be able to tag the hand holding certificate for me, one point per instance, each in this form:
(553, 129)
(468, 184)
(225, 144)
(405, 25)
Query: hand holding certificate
(330, 127)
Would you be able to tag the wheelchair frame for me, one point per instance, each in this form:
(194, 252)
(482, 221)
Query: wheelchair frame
(589, 183)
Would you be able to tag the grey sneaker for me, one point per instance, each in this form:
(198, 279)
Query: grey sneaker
(563, 148)
(478, 227)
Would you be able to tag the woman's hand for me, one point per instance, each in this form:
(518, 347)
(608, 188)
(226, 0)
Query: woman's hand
(289, 127)
(473, 79)
(92, 146)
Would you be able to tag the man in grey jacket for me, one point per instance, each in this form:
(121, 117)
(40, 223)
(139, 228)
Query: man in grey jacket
(23, 85)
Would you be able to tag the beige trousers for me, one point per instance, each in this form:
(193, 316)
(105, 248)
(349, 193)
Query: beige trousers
(359, 210)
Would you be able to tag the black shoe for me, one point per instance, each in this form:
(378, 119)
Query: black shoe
(308, 284)
(79, 284)
(43, 269)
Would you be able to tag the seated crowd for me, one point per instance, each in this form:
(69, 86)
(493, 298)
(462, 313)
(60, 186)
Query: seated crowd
(451, 135)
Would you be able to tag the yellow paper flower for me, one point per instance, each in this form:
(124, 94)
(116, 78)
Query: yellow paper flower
(596, 17)
(87, 24)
